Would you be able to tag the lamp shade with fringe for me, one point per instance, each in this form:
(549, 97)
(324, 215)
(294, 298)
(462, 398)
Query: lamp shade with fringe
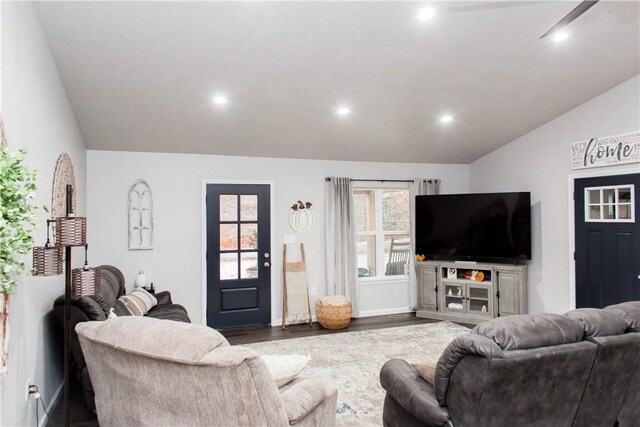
(85, 282)
(71, 231)
(47, 260)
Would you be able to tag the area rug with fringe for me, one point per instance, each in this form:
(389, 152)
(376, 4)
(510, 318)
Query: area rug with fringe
(351, 361)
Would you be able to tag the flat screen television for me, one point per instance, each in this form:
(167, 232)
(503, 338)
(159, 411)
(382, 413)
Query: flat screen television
(474, 226)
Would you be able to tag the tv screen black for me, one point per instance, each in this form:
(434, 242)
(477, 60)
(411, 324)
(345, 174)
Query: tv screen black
(474, 226)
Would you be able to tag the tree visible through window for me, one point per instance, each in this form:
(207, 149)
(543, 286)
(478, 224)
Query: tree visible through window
(382, 231)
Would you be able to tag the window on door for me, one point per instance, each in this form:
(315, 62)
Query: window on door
(382, 232)
(609, 204)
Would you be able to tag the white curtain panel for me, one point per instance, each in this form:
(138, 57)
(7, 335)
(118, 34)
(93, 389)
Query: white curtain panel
(342, 270)
(419, 187)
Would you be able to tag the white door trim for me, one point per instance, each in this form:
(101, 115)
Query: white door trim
(274, 256)
(612, 171)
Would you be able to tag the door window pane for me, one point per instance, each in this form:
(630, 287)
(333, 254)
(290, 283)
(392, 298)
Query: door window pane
(594, 212)
(249, 265)
(624, 195)
(228, 237)
(366, 250)
(609, 212)
(624, 211)
(228, 207)
(229, 266)
(397, 249)
(364, 207)
(594, 196)
(249, 236)
(609, 195)
(395, 210)
(249, 208)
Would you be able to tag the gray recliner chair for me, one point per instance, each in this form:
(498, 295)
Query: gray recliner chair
(162, 373)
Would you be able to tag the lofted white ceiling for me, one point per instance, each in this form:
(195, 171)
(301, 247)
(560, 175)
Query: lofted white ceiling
(140, 75)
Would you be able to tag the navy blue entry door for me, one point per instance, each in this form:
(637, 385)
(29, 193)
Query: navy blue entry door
(607, 240)
(238, 258)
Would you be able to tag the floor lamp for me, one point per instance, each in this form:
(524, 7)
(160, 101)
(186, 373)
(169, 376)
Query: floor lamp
(70, 231)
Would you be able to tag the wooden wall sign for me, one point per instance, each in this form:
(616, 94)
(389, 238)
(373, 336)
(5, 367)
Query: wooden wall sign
(608, 151)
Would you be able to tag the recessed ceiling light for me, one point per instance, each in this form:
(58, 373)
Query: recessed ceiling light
(219, 100)
(426, 13)
(343, 111)
(560, 36)
(446, 118)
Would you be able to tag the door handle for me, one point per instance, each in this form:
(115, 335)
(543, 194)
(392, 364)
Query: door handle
(267, 265)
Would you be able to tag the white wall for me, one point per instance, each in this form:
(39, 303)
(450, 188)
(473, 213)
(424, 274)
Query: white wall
(540, 162)
(176, 261)
(37, 116)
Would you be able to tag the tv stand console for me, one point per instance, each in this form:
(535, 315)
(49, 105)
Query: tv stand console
(470, 292)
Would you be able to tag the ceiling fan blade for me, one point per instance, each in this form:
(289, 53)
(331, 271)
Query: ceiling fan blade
(579, 10)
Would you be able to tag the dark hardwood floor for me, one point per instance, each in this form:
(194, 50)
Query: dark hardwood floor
(82, 417)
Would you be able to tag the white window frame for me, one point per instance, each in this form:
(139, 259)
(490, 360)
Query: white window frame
(615, 203)
(379, 233)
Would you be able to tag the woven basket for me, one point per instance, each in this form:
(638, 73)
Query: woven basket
(333, 316)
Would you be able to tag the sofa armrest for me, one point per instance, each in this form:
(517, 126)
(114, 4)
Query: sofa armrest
(462, 346)
(310, 402)
(412, 392)
(163, 297)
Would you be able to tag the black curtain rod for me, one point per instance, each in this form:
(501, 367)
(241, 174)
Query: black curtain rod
(386, 180)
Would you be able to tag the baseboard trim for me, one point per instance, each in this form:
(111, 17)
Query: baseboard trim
(383, 311)
(278, 322)
(366, 313)
(52, 404)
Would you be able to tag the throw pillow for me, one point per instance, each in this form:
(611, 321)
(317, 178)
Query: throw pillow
(426, 369)
(284, 368)
(139, 302)
(120, 309)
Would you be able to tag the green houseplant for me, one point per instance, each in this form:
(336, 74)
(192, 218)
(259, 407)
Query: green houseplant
(17, 220)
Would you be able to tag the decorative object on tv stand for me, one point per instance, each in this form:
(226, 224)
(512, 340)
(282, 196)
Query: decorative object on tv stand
(18, 215)
(140, 216)
(452, 273)
(302, 218)
(141, 280)
(70, 231)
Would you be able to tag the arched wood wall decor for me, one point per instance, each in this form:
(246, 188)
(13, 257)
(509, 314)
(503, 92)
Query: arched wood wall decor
(3, 139)
(62, 176)
(140, 216)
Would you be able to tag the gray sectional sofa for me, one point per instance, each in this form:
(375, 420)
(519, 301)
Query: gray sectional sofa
(577, 369)
(112, 287)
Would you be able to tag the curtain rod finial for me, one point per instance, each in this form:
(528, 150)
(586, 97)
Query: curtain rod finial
(327, 179)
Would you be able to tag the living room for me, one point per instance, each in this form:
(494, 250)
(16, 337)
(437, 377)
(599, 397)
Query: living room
(87, 79)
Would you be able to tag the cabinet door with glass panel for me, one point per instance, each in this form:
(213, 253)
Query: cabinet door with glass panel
(382, 232)
(479, 300)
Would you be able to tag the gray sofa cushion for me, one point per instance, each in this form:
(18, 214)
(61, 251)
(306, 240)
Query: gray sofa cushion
(531, 331)
(597, 322)
(630, 312)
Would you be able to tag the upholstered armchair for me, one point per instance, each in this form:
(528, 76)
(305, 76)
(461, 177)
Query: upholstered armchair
(159, 372)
